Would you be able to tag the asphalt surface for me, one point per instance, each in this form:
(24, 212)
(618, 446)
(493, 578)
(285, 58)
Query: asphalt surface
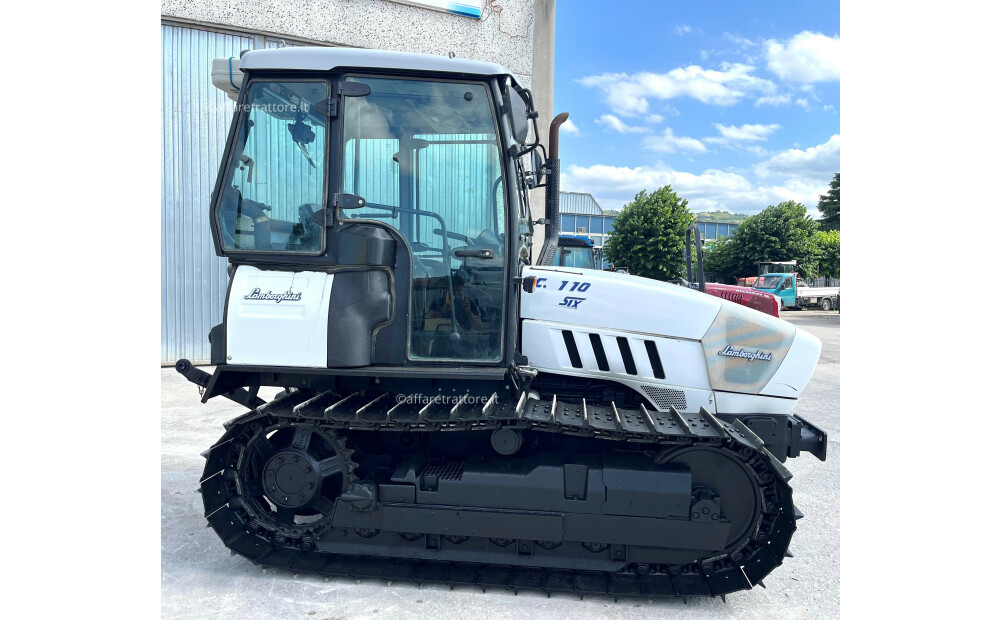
(200, 579)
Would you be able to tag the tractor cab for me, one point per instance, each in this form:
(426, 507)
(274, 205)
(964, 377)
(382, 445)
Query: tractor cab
(374, 213)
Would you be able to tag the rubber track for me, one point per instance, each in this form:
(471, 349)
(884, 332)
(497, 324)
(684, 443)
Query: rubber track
(740, 569)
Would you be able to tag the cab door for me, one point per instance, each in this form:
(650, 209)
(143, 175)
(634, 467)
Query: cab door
(425, 155)
(787, 292)
(272, 182)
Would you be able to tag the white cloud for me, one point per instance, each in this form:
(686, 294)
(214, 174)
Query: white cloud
(570, 128)
(806, 57)
(815, 164)
(615, 123)
(738, 40)
(614, 186)
(731, 133)
(774, 100)
(828, 108)
(667, 142)
(629, 94)
(654, 118)
(682, 30)
(803, 103)
(794, 174)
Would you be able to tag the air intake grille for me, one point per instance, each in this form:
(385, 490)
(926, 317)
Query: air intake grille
(663, 397)
(445, 471)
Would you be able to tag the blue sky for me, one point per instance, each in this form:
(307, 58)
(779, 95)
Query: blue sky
(736, 105)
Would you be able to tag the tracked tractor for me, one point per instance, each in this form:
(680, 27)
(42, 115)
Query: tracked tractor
(450, 409)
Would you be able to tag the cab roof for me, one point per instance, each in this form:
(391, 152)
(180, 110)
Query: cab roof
(327, 58)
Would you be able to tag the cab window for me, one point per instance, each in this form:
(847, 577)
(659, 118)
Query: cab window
(275, 181)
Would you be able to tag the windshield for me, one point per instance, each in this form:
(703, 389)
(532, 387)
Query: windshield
(276, 176)
(768, 282)
(575, 257)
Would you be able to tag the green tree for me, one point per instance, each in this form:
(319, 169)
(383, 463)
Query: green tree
(649, 235)
(829, 206)
(721, 261)
(827, 245)
(778, 233)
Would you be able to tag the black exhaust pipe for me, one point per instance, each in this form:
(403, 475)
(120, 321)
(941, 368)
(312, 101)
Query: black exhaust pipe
(551, 244)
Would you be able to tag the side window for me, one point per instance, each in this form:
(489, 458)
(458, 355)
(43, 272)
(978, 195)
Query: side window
(276, 177)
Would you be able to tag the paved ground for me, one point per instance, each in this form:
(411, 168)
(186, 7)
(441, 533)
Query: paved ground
(200, 579)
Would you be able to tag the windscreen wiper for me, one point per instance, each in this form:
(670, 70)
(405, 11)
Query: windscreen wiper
(302, 135)
(305, 153)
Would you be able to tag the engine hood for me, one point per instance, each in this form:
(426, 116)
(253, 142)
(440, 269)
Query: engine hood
(618, 301)
(739, 350)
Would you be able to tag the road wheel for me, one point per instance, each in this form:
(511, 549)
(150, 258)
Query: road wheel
(827, 304)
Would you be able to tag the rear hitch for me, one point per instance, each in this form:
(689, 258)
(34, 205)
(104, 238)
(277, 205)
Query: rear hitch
(195, 375)
(205, 381)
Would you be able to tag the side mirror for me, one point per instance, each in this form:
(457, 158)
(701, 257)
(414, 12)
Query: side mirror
(536, 168)
(517, 112)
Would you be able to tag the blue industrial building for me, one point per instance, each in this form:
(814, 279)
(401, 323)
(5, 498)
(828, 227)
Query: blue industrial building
(580, 215)
(710, 231)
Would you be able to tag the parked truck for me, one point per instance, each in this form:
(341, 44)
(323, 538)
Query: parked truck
(792, 292)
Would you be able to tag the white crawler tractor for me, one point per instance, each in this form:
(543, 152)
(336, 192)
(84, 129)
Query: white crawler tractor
(453, 410)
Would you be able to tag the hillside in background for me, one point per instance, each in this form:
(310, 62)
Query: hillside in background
(720, 216)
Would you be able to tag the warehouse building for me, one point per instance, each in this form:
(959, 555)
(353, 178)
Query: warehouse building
(581, 216)
(712, 227)
(196, 116)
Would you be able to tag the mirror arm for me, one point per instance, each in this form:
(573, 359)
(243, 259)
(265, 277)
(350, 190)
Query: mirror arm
(533, 115)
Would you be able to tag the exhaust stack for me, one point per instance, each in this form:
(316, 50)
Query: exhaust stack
(551, 244)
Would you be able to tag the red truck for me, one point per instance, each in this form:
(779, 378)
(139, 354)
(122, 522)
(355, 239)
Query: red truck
(751, 298)
(758, 300)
